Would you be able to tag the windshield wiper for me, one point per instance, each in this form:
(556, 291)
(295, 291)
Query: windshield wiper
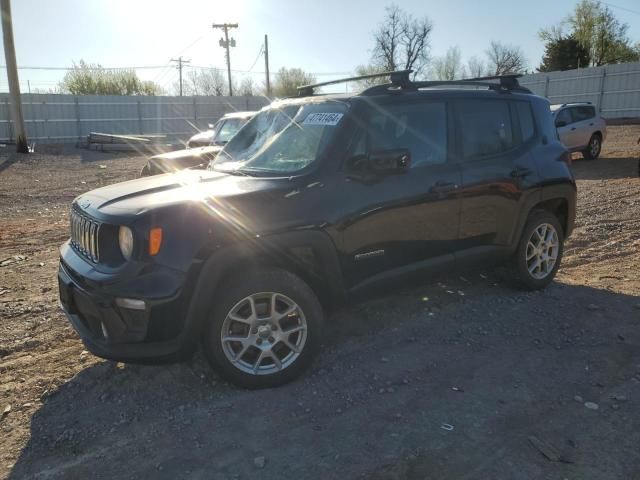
(236, 171)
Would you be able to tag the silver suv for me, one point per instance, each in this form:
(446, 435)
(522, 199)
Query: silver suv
(580, 128)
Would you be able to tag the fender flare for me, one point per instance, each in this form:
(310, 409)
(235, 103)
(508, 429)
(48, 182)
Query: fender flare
(273, 249)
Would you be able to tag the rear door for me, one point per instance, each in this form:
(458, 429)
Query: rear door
(583, 117)
(401, 220)
(495, 138)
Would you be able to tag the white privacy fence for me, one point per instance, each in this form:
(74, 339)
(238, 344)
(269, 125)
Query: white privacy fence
(613, 89)
(54, 118)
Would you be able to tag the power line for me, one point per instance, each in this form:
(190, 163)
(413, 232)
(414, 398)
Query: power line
(622, 8)
(90, 68)
(168, 67)
(257, 58)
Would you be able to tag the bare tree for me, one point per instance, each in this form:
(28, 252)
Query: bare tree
(476, 67)
(402, 42)
(210, 82)
(190, 83)
(448, 67)
(247, 87)
(505, 59)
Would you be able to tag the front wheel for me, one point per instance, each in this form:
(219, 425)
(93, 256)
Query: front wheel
(593, 148)
(264, 329)
(538, 255)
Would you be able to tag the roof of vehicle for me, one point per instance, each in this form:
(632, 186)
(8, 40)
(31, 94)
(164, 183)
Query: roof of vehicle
(401, 85)
(558, 106)
(353, 97)
(239, 115)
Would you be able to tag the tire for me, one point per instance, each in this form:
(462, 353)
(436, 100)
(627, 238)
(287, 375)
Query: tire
(593, 148)
(290, 340)
(523, 270)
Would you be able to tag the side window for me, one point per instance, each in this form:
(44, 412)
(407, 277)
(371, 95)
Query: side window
(485, 128)
(564, 116)
(582, 113)
(525, 115)
(422, 128)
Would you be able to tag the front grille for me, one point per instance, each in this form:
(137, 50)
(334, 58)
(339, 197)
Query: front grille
(84, 236)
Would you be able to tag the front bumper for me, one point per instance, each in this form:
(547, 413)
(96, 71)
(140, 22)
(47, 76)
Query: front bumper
(156, 333)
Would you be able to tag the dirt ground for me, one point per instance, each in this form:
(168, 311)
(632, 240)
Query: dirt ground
(461, 377)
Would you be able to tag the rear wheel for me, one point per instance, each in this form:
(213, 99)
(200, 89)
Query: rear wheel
(539, 252)
(264, 329)
(593, 148)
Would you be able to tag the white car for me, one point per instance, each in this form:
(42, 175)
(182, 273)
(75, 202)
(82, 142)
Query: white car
(580, 128)
(222, 131)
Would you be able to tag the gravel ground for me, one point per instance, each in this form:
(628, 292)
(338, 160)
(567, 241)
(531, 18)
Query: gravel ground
(460, 377)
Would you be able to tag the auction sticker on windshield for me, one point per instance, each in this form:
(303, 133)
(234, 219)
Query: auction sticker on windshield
(322, 119)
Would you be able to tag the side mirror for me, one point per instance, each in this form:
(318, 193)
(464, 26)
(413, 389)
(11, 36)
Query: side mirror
(561, 123)
(210, 125)
(369, 168)
(390, 161)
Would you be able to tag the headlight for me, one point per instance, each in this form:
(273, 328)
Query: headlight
(125, 239)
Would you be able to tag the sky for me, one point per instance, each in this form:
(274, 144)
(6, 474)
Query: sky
(326, 37)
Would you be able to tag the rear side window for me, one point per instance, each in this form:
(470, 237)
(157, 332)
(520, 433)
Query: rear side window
(525, 116)
(422, 128)
(485, 128)
(582, 113)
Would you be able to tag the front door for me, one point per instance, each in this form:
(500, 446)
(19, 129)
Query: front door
(567, 130)
(399, 220)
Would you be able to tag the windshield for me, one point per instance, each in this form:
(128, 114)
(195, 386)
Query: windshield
(227, 128)
(282, 140)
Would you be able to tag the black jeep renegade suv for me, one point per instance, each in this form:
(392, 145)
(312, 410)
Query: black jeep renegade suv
(315, 198)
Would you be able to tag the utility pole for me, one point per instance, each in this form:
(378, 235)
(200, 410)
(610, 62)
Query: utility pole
(181, 62)
(266, 63)
(12, 74)
(226, 43)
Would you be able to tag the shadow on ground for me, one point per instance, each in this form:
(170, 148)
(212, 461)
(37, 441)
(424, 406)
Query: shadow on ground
(608, 168)
(446, 381)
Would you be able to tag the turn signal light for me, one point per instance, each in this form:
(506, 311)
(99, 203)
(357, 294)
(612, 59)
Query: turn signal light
(155, 240)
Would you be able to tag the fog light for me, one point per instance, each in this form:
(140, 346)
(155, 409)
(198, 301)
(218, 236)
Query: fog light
(131, 303)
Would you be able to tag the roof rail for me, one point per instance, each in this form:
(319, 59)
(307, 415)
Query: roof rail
(575, 103)
(507, 83)
(398, 78)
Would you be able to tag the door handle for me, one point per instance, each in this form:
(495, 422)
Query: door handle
(573, 128)
(443, 187)
(591, 124)
(521, 172)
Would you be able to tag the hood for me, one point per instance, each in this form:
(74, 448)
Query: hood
(181, 159)
(211, 150)
(206, 136)
(188, 186)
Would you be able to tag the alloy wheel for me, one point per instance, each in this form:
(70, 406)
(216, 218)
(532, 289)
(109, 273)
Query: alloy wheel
(542, 251)
(264, 333)
(595, 146)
